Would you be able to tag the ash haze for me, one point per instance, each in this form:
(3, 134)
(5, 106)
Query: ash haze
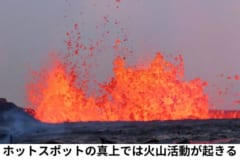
(205, 32)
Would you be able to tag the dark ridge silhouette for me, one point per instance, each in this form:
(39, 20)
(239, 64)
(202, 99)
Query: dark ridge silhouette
(3, 100)
(14, 121)
(10, 112)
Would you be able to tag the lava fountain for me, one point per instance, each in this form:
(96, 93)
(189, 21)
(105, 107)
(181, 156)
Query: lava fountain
(155, 92)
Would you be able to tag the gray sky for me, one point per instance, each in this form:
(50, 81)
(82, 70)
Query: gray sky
(205, 32)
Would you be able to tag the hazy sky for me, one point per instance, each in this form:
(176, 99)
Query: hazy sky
(205, 32)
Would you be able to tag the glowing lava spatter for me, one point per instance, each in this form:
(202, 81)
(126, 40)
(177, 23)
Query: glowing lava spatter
(58, 95)
(156, 92)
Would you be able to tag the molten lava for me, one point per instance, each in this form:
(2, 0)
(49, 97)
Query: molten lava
(59, 100)
(156, 92)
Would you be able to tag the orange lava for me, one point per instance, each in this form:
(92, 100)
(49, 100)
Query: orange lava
(155, 92)
(59, 100)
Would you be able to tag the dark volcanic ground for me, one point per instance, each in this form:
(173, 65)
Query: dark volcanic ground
(18, 127)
